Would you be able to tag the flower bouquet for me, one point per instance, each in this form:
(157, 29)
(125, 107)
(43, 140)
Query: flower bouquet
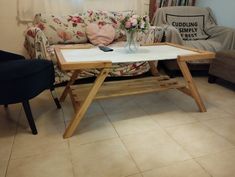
(132, 24)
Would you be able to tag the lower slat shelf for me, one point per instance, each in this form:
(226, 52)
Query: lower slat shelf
(127, 87)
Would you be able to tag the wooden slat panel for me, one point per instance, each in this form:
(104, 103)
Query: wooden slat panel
(129, 87)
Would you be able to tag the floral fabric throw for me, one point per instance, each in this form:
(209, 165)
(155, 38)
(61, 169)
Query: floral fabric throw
(50, 31)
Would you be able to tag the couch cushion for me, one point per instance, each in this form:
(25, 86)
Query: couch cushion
(100, 34)
(62, 29)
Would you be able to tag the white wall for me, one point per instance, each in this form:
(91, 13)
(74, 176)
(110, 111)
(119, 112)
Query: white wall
(223, 10)
(12, 32)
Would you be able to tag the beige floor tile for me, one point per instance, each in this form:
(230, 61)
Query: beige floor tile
(135, 125)
(182, 169)
(67, 107)
(126, 115)
(212, 113)
(182, 101)
(44, 110)
(154, 149)
(131, 121)
(93, 128)
(198, 139)
(49, 138)
(158, 105)
(219, 164)
(8, 124)
(224, 127)
(173, 118)
(102, 159)
(137, 175)
(56, 163)
(119, 104)
(3, 167)
(50, 116)
(149, 98)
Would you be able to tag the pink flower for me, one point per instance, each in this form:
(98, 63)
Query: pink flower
(135, 16)
(133, 21)
(56, 20)
(80, 34)
(128, 24)
(64, 35)
(75, 19)
(31, 33)
(41, 26)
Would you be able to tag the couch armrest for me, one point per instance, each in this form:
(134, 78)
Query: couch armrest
(223, 35)
(36, 43)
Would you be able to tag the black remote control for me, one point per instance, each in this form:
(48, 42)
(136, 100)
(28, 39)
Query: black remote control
(105, 49)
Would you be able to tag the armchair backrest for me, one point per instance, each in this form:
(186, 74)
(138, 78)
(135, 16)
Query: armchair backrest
(191, 22)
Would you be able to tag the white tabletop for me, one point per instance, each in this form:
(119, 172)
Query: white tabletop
(120, 55)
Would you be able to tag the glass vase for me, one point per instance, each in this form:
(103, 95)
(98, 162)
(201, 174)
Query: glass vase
(131, 41)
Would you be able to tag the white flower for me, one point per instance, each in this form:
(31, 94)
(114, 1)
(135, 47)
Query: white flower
(135, 16)
(142, 25)
(133, 21)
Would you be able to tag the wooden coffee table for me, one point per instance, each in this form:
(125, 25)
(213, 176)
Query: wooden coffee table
(79, 58)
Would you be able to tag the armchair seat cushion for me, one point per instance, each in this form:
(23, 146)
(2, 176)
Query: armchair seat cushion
(18, 69)
(25, 79)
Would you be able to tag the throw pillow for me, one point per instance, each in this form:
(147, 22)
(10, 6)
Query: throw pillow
(105, 17)
(100, 34)
(190, 27)
(62, 29)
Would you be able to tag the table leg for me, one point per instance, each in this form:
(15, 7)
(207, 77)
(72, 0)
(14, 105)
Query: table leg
(67, 88)
(86, 103)
(192, 89)
(153, 68)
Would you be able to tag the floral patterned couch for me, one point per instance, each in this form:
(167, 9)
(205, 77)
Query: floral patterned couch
(49, 31)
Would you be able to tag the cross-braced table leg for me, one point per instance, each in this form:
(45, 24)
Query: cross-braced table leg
(153, 68)
(67, 88)
(191, 88)
(86, 103)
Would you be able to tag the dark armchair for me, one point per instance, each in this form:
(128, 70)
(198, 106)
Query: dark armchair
(22, 80)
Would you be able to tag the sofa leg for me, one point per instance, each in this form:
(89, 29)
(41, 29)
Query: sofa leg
(212, 79)
(56, 100)
(29, 116)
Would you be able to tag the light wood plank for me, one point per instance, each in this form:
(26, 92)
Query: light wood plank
(129, 87)
(71, 82)
(191, 85)
(153, 67)
(88, 100)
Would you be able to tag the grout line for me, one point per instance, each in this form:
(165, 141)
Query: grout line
(13, 141)
(120, 138)
(193, 158)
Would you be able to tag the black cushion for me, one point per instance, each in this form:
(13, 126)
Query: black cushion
(8, 56)
(17, 69)
(21, 80)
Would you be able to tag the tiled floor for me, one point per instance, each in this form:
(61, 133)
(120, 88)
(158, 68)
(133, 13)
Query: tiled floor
(150, 135)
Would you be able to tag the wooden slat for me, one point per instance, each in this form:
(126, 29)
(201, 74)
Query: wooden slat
(130, 87)
(153, 67)
(191, 85)
(71, 82)
(85, 104)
